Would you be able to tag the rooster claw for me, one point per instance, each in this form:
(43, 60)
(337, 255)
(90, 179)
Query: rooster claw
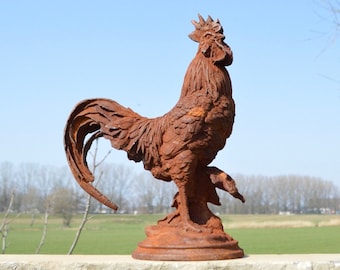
(196, 228)
(192, 228)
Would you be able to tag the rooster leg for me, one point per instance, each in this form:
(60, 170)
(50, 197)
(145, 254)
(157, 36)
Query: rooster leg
(184, 211)
(183, 173)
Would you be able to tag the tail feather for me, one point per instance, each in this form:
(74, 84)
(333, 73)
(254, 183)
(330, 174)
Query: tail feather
(140, 137)
(81, 123)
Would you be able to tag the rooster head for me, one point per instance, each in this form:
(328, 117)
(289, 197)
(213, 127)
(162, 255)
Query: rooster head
(209, 35)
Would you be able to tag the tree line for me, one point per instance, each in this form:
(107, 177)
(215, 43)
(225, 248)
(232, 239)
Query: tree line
(33, 188)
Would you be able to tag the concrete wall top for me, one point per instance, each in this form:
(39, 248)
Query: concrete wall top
(112, 262)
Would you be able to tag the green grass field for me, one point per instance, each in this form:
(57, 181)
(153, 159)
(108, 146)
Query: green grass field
(119, 234)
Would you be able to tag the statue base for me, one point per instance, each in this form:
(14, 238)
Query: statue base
(170, 243)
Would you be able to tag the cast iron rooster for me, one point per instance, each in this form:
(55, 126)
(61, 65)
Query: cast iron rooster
(177, 146)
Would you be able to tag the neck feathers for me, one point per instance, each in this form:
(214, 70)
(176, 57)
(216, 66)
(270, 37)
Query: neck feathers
(203, 75)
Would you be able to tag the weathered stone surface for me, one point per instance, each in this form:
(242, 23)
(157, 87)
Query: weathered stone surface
(113, 262)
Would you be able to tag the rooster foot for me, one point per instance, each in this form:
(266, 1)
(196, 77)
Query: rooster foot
(190, 226)
(169, 218)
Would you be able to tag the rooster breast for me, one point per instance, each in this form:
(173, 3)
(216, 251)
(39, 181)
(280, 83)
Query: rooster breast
(200, 124)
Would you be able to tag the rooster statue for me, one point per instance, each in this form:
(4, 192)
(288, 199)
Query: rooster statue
(177, 146)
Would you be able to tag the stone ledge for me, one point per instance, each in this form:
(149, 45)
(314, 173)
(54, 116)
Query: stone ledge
(112, 262)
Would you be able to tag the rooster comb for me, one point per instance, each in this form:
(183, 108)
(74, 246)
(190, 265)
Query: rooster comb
(204, 26)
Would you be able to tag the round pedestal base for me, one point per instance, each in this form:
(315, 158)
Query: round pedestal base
(174, 244)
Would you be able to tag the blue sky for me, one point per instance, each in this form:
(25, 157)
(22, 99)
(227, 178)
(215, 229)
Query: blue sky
(285, 75)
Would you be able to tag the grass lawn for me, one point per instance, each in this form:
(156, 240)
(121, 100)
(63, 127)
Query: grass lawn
(288, 240)
(119, 234)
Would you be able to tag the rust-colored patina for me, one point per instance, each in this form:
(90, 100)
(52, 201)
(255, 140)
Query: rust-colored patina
(178, 146)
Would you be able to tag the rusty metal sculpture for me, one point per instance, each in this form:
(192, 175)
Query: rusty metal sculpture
(177, 146)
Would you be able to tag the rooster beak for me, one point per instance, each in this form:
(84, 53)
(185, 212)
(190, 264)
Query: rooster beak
(229, 58)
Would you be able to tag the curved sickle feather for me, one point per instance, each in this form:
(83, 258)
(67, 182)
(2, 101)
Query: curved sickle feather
(78, 126)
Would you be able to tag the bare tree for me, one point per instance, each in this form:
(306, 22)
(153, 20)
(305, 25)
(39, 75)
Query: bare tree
(328, 12)
(6, 179)
(164, 195)
(44, 233)
(145, 192)
(4, 225)
(333, 9)
(63, 203)
(88, 202)
(117, 182)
